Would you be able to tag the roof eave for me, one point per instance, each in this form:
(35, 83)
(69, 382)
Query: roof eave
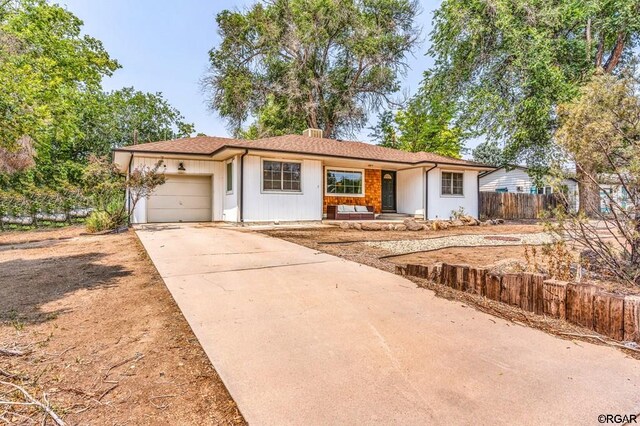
(375, 160)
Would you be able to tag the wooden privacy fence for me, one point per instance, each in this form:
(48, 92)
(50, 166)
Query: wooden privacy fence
(506, 205)
(613, 315)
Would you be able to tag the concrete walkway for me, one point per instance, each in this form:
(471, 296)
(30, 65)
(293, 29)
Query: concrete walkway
(301, 337)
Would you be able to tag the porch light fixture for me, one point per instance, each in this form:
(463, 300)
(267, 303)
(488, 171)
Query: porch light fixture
(181, 167)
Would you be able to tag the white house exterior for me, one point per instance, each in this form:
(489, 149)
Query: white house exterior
(517, 180)
(295, 178)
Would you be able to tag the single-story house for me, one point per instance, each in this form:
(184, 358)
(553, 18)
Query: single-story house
(295, 178)
(516, 179)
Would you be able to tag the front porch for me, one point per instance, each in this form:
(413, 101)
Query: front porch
(392, 195)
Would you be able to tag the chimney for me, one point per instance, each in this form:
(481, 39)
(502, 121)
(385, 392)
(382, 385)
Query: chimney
(312, 133)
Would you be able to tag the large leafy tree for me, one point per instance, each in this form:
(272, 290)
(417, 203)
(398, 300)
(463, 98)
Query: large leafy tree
(119, 117)
(490, 153)
(420, 126)
(274, 120)
(103, 121)
(45, 63)
(329, 62)
(53, 112)
(507, 64)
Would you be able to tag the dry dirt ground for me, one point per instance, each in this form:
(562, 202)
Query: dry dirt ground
(348, 243)
(471, 256)
(104, 341)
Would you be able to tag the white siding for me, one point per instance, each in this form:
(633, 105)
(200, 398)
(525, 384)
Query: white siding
(511, 180)
(193, 167)
(410, 191)
(262, 206)
(440, 206)
(572, 192)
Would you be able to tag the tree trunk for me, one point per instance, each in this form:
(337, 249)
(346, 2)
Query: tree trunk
(327, 132)
(635, 245)
(589, 191)
(616, 53)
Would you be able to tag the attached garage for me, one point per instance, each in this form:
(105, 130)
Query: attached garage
(181, 199)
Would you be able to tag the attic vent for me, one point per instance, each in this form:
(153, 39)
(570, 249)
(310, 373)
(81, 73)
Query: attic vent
(313, 133)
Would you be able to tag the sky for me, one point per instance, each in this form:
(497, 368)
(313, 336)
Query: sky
(163, 45)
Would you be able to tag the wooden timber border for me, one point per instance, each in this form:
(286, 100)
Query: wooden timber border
(613, 315)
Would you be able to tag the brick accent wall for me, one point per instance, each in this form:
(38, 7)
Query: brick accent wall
(372, 192)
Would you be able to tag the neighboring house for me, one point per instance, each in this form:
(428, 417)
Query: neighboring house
(516, 179)
(295, 178)
(612, 192)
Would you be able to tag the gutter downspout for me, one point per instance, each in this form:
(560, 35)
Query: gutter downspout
(426, 199)
(478, 202)
(241, 186)
(129, 192)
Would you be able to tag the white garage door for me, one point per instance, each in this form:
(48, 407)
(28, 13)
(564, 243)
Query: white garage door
(181, 199)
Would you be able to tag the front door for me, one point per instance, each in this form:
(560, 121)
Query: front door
(388, 191)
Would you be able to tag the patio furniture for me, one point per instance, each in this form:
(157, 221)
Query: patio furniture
(346, 212)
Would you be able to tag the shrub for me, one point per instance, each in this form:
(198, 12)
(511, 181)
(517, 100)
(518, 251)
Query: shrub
(98, 221)
(106, 188)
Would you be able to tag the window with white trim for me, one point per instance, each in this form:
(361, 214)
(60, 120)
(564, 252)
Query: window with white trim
(281, 176)
(452, 183)
(345, 182)
(229, 178)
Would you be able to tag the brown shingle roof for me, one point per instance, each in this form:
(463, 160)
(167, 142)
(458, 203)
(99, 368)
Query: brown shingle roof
(207, 145)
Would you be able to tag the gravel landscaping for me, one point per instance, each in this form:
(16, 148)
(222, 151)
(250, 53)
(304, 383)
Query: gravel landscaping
(398, 247)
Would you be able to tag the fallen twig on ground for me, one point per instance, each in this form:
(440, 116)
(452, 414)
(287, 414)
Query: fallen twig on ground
(137, 357)
(13, 352)
(107, 392)
(9, 375)
(32, 401)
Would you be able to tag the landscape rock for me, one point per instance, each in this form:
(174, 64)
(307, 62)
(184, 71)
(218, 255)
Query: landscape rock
(438, 225)
(469, 220)
(344, 225)
(357, 226)
(456, 223)
(412, 225)
(368, 226)
(400, 227)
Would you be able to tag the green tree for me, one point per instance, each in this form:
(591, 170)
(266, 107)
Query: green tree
(328, 61)
(425, 125)
(419, 127)
(507, 64)
(45, 63)
(490, 153)
(385, 132)
(100, 122)
(273, 120)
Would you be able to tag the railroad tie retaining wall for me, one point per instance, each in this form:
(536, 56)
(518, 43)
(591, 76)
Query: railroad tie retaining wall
(612, 315)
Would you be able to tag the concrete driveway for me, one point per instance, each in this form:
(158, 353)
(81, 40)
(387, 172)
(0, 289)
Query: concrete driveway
(301, 337)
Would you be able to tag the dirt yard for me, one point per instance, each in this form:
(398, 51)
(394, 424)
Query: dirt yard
(102, 340)
(471, 256)
(349, 243)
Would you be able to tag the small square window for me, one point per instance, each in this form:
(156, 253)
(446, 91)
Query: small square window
(452, 183)
(281, 176)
